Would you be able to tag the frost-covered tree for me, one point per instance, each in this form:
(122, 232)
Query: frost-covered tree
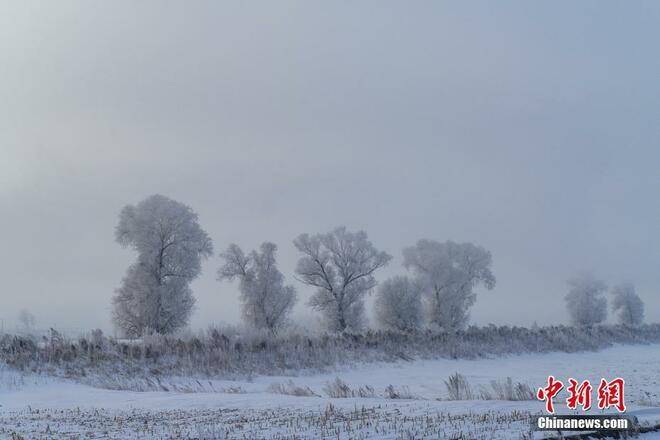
(398, 304)
(585, 302)
(341, 265)
(266, 301)
(449, 272)
(628, 306)
(155, 294)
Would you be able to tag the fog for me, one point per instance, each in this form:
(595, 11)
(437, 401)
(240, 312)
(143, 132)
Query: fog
(532, 129)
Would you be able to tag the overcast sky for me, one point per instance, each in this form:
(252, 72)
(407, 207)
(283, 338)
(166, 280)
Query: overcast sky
(530, 128)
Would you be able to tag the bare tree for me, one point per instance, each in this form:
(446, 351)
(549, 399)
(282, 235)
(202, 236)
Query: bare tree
(585, 302)
(155, 293)
(449, 273)
(627, 305)
(266, 301)
(341, 265)
(398, 304)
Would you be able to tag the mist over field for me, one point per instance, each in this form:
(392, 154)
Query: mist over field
(529, 129)
(302, 220)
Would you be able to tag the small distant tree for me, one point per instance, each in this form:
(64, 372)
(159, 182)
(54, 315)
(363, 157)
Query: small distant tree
(585, 302)
(155, 294)
(449, 272)
(266, 301)
(627, 305)
(398, 304)
(26, 321)
(341, 265)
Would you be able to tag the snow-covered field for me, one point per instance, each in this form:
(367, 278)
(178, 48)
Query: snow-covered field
(46, 408)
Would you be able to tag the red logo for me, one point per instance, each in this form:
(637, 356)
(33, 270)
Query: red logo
(579, 395)
(610, 394)
(549, 392)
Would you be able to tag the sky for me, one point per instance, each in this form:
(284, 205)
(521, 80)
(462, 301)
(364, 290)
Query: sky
(530, 128)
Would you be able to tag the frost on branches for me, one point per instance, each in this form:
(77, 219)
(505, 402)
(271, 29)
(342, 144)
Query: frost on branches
(155, 294)
(341, 265)
(585, 301)
(266, 301)
(627, 305)
(398, 304)
(449, 272)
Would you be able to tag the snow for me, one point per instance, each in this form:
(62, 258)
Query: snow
(56, 408)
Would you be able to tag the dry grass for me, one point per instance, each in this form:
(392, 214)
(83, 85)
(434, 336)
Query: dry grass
(329, 423)
(291, 389)
(507, 390)
(459, 388)
(339, 389)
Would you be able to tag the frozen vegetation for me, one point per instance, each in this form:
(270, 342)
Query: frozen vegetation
(394, 400)
(170, 245)
(266, 301)
(425, 374)
(218, 353)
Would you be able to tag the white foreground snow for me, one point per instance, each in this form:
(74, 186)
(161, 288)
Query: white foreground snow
(38, 407)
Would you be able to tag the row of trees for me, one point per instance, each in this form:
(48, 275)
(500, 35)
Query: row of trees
(587, 305)
(440, 288)
(340, 265)
(155, 293)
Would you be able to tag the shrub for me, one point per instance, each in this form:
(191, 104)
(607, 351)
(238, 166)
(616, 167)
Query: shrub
(291, 389)
(458, 388)
(338, 389)
(399, 393)
(228, 353)
(507, 390)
